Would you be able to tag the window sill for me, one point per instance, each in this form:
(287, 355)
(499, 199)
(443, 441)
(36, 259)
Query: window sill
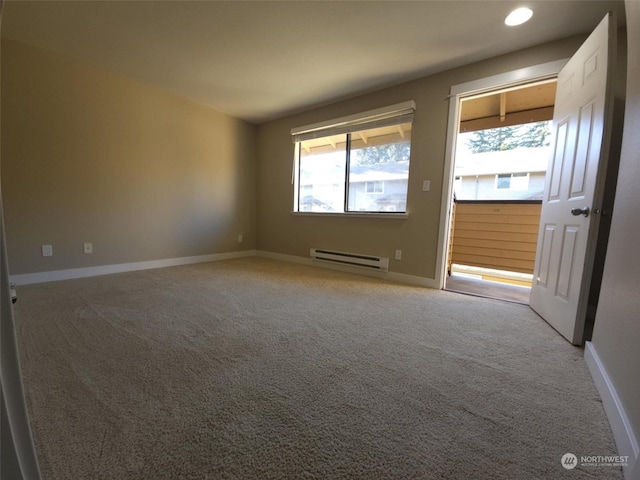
(396, 216)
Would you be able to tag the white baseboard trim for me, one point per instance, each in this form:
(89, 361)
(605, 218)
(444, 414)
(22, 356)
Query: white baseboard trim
(285, 258)
(391, 276)
(55, 275)
(625, 437)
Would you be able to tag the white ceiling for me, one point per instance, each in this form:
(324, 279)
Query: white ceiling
(264, 59)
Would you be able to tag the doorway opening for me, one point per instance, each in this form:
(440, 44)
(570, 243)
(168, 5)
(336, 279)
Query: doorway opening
(499, 166)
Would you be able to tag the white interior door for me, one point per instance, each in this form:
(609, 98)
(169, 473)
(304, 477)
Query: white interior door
(574, 184)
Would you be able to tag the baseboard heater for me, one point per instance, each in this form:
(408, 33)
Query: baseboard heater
(352, 259)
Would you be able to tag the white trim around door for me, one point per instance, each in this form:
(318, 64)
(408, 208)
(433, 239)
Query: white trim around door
(496, 82)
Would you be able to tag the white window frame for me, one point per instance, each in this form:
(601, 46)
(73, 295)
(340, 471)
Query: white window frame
(511, 177)
(396, 114)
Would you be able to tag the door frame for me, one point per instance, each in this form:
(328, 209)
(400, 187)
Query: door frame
(514, 78)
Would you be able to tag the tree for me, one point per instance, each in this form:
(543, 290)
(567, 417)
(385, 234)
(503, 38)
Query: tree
(535, 135)
(492, 140)
(530, 135)
(390, 152)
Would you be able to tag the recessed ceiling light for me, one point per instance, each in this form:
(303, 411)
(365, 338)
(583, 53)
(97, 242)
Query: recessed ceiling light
(518, 16)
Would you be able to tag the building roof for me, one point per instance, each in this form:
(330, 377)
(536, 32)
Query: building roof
(511, 161)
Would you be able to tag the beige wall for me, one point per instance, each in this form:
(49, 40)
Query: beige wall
(616, 336)
(417, 236)
(89, 156)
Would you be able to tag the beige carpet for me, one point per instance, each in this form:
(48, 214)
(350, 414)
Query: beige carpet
(254, 368)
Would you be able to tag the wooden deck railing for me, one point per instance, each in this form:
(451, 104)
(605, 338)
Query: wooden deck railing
(495, 234)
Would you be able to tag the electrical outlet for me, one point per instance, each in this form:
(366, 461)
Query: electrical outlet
(47, 250)
(398, 255)
(240, 239)
(88, 248)
(426, 185)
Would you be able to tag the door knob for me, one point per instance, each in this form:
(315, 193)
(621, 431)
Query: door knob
(580, 211)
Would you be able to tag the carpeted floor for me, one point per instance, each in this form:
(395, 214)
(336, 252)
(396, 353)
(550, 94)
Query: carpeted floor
(258, 369)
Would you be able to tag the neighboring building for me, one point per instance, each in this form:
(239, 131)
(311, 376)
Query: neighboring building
(380, 187)
(517, 174)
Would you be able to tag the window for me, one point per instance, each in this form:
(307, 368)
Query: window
(512, 181)
(503, 181)
(374, 187)
(355, 164)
